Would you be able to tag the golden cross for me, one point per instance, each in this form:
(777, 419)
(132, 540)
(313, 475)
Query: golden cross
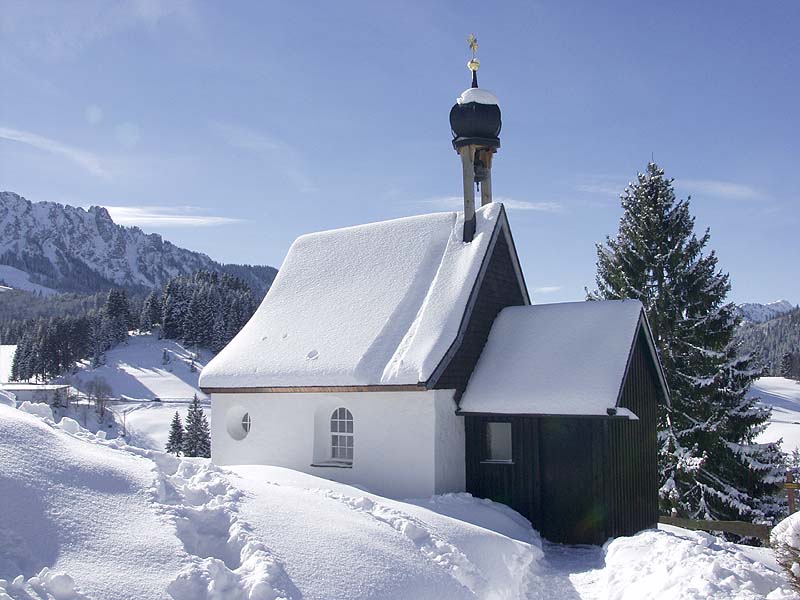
(473, 43)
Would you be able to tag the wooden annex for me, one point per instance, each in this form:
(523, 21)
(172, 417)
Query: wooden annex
(579, 478)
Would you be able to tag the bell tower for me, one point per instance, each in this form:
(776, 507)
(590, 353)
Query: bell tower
(475, 123)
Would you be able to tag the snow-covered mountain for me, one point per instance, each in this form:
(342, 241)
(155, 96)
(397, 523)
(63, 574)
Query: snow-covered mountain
(759, 313)
(67, 248)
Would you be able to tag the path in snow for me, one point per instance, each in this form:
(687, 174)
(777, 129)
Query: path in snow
(571, 573)
(226, 560)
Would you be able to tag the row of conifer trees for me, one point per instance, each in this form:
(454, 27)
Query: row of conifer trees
(195, 438)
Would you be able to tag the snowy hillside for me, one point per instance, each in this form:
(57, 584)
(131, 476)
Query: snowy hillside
(137, 374)
(69, 248)
(116, 521)
(759, 313)
(783, 395)
(14, 279)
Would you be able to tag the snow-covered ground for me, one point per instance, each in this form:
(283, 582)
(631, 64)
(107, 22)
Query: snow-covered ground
(783, 395)
(136, 370)
(84, 517)
(137, 374)
(16, 279)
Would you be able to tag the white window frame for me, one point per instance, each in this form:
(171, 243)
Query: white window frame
(341, 431)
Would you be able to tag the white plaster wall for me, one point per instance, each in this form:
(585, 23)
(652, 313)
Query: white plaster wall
(450, 466)
(406, 444)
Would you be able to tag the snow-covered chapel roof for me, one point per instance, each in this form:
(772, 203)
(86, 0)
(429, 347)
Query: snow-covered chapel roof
(376, 304)
(556, 359)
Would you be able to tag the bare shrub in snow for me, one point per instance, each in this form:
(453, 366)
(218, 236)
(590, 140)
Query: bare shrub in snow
(99, 392)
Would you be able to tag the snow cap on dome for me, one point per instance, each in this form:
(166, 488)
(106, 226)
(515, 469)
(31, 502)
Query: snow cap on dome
(477, 95)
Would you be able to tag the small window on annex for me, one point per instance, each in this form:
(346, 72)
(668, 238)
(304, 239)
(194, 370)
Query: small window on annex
(246, 423)
(342, 435)
(498, 442)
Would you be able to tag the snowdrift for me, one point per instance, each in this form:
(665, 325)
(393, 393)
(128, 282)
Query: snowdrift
(84, 517)
(89, 518)
(81, 508)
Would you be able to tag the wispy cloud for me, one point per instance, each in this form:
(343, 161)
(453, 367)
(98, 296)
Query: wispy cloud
(57, 31)
(85, 159)
(547, 289)
(284, 157)
(166, 216)
(456, 203)
(721, 189)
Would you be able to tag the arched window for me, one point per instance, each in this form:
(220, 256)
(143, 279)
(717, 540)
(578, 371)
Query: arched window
(342, 435)
(246, 423)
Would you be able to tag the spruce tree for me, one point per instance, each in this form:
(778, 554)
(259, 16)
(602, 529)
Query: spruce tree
(116, 314)
(175, 441)
(710, 466)
(151, 312)
(786, 365)
(197, 436)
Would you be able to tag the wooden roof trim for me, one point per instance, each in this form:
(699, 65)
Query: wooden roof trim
(515, 257)
(316, 389)
(501, 227)
(497, 415)
(643, 326)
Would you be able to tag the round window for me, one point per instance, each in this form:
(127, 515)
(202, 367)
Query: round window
(237, 422)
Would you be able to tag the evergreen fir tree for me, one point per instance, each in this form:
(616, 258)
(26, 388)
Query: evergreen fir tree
(151, 312)
(710, 466)
(218, 337)
(175, 441)
(197, 436)
(174, 308)
(116, 314)
(786, 365)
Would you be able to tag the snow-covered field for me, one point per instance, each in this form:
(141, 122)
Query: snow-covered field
(783, 395)
(137, 374)
(136, 370)
(84, 517)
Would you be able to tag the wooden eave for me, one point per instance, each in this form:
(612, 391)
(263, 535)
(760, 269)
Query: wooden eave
(316, 389)
(498, 415)
(643, 326)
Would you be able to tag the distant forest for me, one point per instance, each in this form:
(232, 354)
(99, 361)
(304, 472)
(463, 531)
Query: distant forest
(772, 341)
(204, 309)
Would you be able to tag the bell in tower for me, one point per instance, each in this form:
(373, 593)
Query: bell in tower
(475, 123)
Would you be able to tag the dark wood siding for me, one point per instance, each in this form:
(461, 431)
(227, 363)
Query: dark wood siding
(555, 479)
(578, 479)
(572, 502)
(499, 288)
(514, 483)
(632, 449)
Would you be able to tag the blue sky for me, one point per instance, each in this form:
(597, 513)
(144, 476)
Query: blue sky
(231, 128)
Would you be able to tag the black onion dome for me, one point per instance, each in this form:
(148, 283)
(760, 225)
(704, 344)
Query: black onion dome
(475, 118)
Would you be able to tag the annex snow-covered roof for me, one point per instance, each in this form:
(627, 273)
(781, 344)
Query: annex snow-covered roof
(478, 95)
(376, 304)
(555, 359)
